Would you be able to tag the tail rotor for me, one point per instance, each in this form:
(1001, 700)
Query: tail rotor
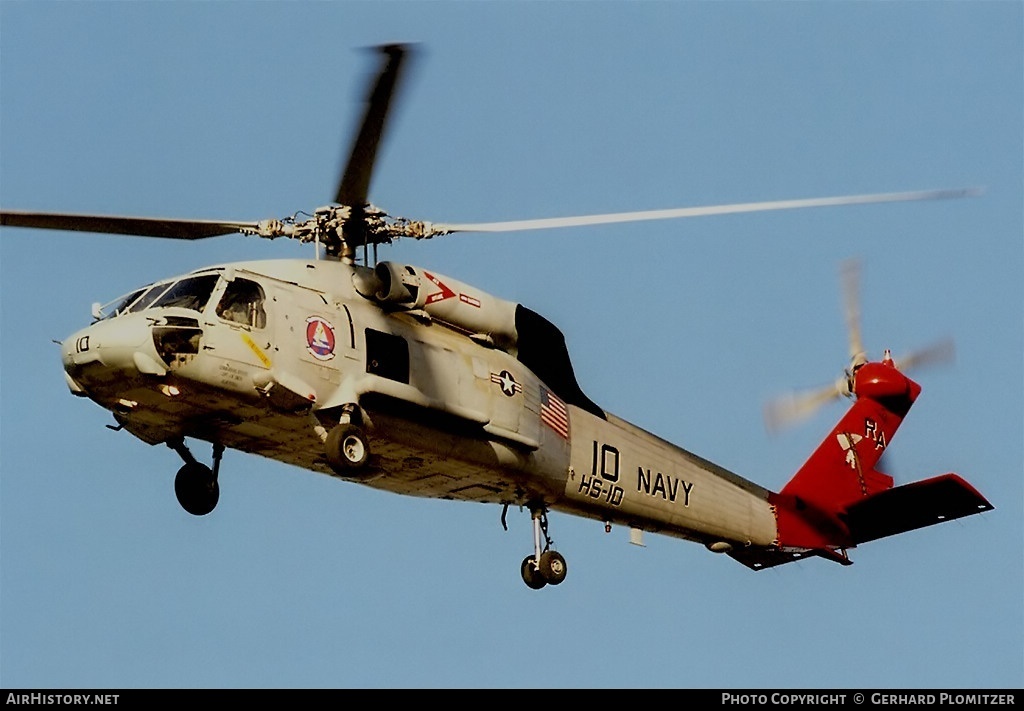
(794, 407)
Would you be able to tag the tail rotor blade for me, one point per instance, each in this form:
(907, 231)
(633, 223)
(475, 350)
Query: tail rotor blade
(796, 407)
(939, 353)
(850, 274)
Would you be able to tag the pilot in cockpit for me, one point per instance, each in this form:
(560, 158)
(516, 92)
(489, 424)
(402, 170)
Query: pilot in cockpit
(242, 303)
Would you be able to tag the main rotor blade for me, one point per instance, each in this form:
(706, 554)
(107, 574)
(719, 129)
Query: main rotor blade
(135, 226)
(547, 223)
(355, 181)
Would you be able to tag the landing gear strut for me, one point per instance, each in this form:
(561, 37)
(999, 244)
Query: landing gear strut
(195, 485)
(545, 565)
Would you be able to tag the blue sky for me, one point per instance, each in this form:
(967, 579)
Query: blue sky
(516, 110)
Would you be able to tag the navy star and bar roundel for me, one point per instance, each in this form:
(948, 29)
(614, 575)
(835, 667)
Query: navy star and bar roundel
(506, 382)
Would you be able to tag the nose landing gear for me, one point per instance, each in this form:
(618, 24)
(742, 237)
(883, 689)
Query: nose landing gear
(195, 484)
(545, 566)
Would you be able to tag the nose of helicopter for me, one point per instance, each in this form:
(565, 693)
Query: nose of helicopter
(111, 348)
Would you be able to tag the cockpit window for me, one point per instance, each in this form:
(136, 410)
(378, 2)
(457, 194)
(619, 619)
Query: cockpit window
(243, 303)
(135, 301)
(120, 306)
(191, 293)
(149, 297)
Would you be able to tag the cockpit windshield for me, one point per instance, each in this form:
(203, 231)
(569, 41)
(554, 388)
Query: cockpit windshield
(189, 293)
(120, 306)
(149, 297)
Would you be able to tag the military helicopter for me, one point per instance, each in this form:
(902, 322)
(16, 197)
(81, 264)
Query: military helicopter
(400, 378)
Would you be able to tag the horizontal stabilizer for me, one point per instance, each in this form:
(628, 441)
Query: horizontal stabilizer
(886, 513)
(761, 558)
(911, 506)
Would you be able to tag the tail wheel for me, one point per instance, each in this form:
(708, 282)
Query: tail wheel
(196, 488)
(347, 449)
(552, 567)
(531, 574)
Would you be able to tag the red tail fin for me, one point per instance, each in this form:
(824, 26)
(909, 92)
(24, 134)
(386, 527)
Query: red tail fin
(838, 499)
(841, 471)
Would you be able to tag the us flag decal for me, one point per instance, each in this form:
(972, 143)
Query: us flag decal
(553, 413)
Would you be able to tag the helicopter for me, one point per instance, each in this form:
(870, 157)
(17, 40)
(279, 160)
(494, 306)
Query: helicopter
(400, 378)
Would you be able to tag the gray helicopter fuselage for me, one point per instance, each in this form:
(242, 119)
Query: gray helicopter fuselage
(462, 395)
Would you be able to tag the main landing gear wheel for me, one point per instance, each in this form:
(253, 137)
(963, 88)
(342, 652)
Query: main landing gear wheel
(545, 566)
(531, 574)
(552, 567)
(196, 485)
(346, 448)
(196, 488)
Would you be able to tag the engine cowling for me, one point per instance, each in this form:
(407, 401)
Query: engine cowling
(477, 313)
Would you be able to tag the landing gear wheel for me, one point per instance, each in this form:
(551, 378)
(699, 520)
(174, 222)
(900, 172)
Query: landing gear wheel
(531, 576)
(552, 567)
(196, 488)
(346, 448)
(545, 566)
